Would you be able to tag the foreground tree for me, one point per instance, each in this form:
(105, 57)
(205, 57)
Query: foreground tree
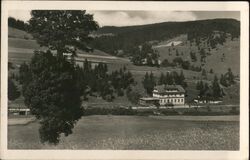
(63, 31)
(52, 93)
(53, 96)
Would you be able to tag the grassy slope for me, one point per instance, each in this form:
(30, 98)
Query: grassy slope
(21, 48)
(16, 33)
(230, 49)
(133, 132)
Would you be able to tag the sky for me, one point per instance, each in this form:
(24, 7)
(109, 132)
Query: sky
(129, 18)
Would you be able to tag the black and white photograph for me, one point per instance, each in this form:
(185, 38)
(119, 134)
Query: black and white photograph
(124, 79)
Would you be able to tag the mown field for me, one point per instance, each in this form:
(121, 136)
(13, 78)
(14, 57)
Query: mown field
(134, 133)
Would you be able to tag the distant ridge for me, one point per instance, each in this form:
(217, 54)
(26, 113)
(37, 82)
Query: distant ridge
(121, 29)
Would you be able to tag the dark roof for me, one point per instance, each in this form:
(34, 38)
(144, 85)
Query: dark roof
(164, 88)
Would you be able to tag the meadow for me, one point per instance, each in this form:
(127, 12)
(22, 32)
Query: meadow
(135, 133)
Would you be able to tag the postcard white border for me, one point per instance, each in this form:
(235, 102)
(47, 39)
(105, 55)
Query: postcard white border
(130, 154)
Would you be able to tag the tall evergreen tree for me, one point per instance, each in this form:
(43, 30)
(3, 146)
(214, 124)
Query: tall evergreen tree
(204, 74)
(230, 76)
(217, 92)
(169, 79)
(161, 79)
(149, 83)
(52, 94)
(145, 82)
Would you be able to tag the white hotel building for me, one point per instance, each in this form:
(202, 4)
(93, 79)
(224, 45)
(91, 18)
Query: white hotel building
(166, 94)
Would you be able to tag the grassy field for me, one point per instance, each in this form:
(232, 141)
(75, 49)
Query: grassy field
(134, 133)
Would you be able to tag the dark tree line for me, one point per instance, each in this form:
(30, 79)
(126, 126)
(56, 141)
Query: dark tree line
(18, 24)
(98, 82)
(170, 78)
(214, 91)
(91, 81)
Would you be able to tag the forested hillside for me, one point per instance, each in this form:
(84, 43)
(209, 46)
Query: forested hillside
(124, 38)
(212, 45)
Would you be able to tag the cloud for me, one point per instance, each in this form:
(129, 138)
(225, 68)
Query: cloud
(128, 18)
(124, 18)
